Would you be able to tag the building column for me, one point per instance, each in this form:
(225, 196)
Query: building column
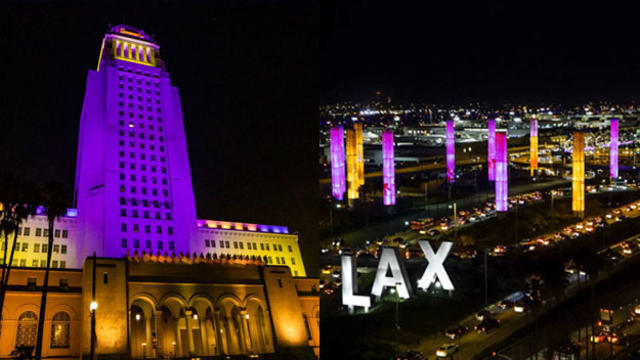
(248, 342)
(188, 315)
(178, 338)
(147, 337)
(156, 336)
(221, 343)
(129, 321)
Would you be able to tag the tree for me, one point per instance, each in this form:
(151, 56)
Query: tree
(16, 207)
(54, 199)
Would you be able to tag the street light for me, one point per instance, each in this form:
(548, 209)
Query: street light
(93, 306)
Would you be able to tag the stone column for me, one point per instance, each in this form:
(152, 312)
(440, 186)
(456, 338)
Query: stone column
(221, 343)
(244, 318)
(178, 338)
(147, 337)
(156, 335)
(188, 314)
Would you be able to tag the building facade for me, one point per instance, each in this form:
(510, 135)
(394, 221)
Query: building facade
(167, 283)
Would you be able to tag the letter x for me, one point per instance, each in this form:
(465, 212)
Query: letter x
(435, 270)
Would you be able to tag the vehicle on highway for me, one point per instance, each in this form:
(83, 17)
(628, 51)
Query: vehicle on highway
(636, 312)
(410, 355)
(519, 307)
(446, 350)
(487, 325)
(598, 338)
(336, 274)
(456, 332)
(483, 314)
(505, 304)
(327, 269)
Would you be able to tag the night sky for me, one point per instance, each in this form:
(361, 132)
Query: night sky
(494, 51)
(247, 75)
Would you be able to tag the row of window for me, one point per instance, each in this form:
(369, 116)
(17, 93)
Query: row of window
(132, 125)
(145, 203)
(147, 228)
(140, 135)
(55, 264)
(132, 144)
(143, 190)
(24, 247)
(145, 214)
(147, 243)
(250, 245)
(43, 232)
(143, 178)
(137, 72)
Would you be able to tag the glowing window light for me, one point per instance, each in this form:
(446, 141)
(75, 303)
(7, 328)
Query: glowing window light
(337, 163)
(357, 128)
(451, 152)
(491, 149)
(388, 169)
(501, 172)
(533, 146)
(613, 150)
(578, 173)
(352, 166)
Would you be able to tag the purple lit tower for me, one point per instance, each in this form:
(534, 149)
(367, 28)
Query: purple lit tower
(451, 152)
(388, 169)
(133, 183)
(613, 150)
(501, 172)
(338, 184)
(491, 149)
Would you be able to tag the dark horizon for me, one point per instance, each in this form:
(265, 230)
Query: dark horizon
(246, 83)
(489, 51)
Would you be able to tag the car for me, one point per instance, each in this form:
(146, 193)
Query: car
(433, 232)
(505, 304)
(487, 324)
(326, 269)
(483, 314)
(410, 355)
(636, 311)
(456, 332)
(519, 307)
(336, 274)
(598, 338)
(446, 350)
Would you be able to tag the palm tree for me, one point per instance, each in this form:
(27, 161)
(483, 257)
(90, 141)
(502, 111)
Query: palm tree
(54, 199)
(16, 208)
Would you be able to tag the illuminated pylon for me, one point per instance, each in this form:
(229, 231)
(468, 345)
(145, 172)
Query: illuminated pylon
(352, 166)
(578, 173)
(388, 169)
(533, 146)
(502, 172)
(357, 127)
(338, 185)
(451, 152)
(491, 149)
(613, 150)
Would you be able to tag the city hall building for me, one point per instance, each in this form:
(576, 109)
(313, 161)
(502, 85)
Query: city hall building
(166, 283)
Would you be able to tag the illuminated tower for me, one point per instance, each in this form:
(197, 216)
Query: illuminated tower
(357, 128)
(502, 172)
(578, 173)
(388, 169)
(613, 150)
(337, 162)
(133, 183)
(352, 166)
(533, 146)
(451, 152)
(491, 149)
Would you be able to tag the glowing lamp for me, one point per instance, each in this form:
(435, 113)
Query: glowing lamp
(491, 149)
(451, 152)
(93, 306)
(577, 183)
(388, 169)
(501, 185)
(337, 163)
(613, 150)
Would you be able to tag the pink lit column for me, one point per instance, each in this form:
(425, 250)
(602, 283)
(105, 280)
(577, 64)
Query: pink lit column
(501, 172)
(491, 149)
(388, 169)
(613, 150)
(451, 152)
(338, 184)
